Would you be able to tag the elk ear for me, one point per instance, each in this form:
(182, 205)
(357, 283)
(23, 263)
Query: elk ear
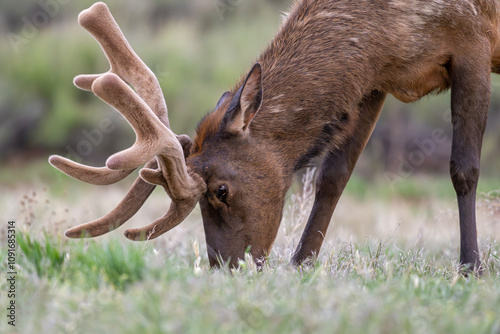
(222, 99)
(245, 103)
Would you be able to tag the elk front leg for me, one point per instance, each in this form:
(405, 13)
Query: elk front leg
(470, 96)
(333, 176)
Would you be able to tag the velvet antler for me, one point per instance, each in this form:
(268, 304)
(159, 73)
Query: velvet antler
(146, 112)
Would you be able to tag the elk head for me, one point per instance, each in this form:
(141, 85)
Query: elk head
(220, 171)
(245, 192)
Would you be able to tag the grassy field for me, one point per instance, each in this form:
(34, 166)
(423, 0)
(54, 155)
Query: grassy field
(389, 265)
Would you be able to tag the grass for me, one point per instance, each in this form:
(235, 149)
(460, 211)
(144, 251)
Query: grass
(388, 265)
(110, 287)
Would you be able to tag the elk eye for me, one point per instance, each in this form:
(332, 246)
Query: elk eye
(221, 193)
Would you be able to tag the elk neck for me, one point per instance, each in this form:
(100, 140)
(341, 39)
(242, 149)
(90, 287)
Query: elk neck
(315, 73)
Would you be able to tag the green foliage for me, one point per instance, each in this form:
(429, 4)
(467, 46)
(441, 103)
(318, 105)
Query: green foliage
(93, 264)
(45, 258)
(87, 264)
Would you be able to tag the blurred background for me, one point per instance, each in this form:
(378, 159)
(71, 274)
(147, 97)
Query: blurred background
(197, 49)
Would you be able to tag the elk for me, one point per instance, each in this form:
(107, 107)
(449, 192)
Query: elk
(315, 93)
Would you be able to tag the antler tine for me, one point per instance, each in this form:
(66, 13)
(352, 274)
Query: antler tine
(92, 175)
(130, 204)
(177, 212)
(125, 63)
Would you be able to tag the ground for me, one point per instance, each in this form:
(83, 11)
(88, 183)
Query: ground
(389, 265)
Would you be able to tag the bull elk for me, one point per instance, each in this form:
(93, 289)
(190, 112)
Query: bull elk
(315, 92)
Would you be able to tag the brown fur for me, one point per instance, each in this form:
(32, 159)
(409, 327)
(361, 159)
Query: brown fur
(325, 77)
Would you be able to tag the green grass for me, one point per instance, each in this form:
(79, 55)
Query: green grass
(389, 264)
(44, 258)
(91, 263)
(372, 287)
